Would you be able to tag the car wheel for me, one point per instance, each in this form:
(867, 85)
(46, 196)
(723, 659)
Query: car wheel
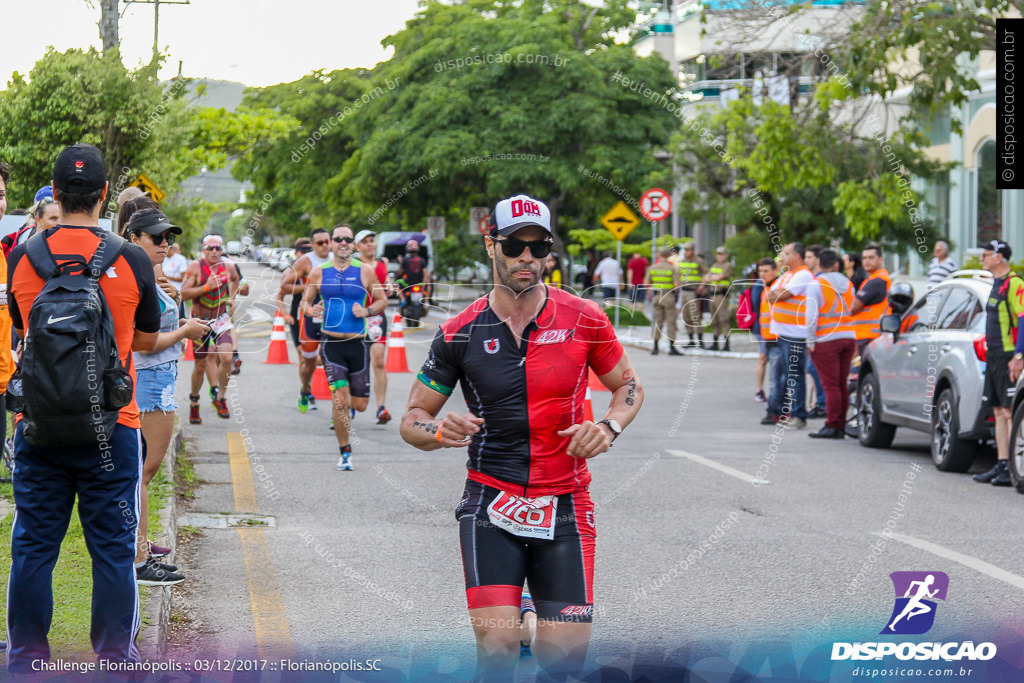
(949, 452)
(872, 432)
(1016, 464)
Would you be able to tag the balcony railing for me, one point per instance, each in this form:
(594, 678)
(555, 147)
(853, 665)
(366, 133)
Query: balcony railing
(715, 87)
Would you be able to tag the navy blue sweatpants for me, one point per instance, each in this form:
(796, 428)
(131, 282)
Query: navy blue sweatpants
(46, 481)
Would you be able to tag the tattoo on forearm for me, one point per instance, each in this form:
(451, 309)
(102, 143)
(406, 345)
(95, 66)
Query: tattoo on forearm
(428, 427)
(631, 392)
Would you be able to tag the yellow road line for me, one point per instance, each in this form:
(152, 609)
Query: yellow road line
(241, 475)
(273, 639)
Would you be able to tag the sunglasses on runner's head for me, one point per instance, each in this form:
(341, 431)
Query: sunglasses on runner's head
(512, 247)
(343, 240)
(162, 237)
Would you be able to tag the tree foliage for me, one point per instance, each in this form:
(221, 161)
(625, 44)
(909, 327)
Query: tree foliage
(481, 100)
(772, 169)
(294, 168)
(139, 124)
(929, 46)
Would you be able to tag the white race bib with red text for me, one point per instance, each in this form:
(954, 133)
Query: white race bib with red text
(526, 517)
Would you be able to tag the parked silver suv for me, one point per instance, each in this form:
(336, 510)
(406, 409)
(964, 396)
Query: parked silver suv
(926, 372)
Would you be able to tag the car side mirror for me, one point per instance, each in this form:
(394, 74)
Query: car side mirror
(890, 323)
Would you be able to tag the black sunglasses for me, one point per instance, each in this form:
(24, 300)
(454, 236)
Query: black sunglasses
(512, 247)
(343, 240)
(163, 237)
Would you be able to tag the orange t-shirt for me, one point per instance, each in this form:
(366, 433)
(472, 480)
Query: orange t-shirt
(129, 287)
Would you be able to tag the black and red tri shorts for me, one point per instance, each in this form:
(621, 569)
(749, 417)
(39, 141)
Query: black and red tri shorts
(496, 561)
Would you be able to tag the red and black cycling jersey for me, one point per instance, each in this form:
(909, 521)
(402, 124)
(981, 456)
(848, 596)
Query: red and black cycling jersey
(525, 392)
(411, 269)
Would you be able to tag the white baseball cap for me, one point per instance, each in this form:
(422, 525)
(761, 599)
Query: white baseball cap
(363, 234)
(518, 212)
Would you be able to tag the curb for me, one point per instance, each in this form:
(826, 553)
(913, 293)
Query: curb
(153, 639)
(646, 345)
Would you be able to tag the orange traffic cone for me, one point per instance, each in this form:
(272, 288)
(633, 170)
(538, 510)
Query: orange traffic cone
(277, 353)
(189, 353)
(397, 361)
(594, 382)
(319, 387)
(588, 408)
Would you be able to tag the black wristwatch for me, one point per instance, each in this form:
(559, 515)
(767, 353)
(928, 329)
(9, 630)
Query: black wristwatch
(612, 425)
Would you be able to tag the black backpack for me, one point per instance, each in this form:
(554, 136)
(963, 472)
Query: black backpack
(73, 381)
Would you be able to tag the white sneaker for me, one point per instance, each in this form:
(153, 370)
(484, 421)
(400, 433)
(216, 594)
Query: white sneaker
(344, 463)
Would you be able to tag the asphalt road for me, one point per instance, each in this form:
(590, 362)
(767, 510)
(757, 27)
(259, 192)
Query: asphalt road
(698, 565)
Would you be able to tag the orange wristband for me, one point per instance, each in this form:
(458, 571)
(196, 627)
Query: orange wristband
(439, 433)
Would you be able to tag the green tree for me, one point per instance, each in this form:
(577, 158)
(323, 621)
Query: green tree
(496, 98)
(815, 179)
(928, 46)
(294, 168)
(137, 122)
(70, 97)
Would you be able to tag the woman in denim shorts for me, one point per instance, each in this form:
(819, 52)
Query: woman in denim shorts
(156, 373)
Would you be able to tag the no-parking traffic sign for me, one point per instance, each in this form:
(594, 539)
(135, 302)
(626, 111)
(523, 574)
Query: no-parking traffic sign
(655, 204)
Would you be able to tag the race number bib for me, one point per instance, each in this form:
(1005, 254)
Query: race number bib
(374, 327)
(526, 517)
(221, 324)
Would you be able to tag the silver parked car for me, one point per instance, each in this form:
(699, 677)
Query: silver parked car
(926, 372)
(1016, 464)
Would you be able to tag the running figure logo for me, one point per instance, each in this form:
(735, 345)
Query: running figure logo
(916, 592)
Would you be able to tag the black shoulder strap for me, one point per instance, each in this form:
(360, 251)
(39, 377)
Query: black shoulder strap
(107, 251)
(40, 256)
(1006, 299)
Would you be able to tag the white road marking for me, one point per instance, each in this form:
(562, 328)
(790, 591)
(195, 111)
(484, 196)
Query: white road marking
(746, 477)
(966, 560)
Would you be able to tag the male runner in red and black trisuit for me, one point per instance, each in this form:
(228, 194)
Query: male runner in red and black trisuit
(522, 354)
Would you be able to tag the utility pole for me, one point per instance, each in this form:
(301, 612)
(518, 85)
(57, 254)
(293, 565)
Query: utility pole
(156, 18)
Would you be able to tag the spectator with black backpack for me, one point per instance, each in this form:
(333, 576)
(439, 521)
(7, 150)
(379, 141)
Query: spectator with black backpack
(82, 300)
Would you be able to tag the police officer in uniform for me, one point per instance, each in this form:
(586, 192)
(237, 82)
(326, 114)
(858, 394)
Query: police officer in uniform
(717, 280)
(691, 275)
(663, 278)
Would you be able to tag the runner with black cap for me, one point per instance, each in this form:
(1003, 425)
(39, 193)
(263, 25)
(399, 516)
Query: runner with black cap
(522, 353)
(1004, 357)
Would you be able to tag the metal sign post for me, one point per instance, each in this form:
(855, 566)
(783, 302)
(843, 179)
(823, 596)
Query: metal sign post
(620, 221)
(655, 205)
(618, 259)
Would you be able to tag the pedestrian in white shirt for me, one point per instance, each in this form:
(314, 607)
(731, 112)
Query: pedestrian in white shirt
(610, 273)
